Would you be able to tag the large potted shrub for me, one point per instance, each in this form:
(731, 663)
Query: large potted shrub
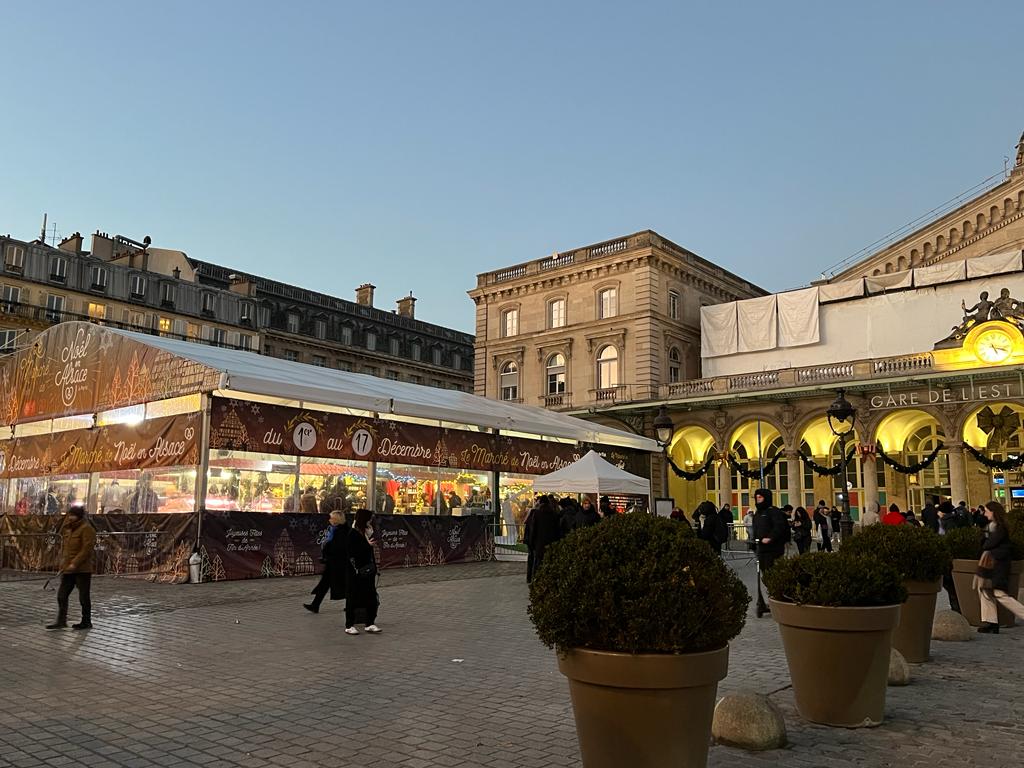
(640, 613)
(836, 614)
(964, 545)
(921, 559)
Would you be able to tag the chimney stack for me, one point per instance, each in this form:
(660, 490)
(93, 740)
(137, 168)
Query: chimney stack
(364, 295)
(72, 244)
(407, 306)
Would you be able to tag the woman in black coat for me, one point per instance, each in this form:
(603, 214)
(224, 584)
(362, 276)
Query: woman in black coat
(711, 526)
(334, 556)
(802, 530)
(993, 582)
(543, 529)
(821, 522)
(361, 578)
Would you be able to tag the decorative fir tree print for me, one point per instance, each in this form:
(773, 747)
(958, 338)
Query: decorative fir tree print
(204, 564)
(217, 569)
(232, 433)
(267, 569)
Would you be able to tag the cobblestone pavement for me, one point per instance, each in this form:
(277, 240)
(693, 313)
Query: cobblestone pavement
(237, 674)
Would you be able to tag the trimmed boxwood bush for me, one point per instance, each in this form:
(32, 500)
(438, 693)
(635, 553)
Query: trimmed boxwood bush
(636, 584)
(964, 543)
(916, 553)
(840, 580)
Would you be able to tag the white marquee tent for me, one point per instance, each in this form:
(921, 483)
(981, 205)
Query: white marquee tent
(592, 474)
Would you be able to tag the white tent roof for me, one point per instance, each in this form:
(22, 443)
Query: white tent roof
(273, 377)
(592, 474)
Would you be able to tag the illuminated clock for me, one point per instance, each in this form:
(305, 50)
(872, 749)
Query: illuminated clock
(993, 346)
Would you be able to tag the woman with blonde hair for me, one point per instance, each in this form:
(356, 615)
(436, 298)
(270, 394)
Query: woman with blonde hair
(993, 577)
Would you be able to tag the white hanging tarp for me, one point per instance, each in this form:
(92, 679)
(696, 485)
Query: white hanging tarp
(892, 282)
(944, 272)
(718, 330)
(846, 289)
(592, 474)
(798, 317)
(996, 264)
(755, 321)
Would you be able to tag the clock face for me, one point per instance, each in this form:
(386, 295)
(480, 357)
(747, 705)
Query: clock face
(993, 346)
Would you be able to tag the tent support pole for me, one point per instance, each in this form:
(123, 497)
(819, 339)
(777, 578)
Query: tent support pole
(204, 465)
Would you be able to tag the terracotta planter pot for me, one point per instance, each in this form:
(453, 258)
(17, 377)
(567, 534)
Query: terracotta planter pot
(913, 636)
(849, 692)
(644, 710)
(967, 595)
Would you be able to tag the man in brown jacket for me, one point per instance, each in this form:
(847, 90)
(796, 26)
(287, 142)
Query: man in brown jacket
(76, 571)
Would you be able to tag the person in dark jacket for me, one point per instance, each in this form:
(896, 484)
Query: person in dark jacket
(604, 506)
(728, 518)
(770, 534)
(835, 517)
(979, 518)
(361, 575)
(545, 529)
(712, 529)
(821, 525)
(992, 583)
(76, 564)
(930, 515)
(586, 515)
(334, 555)
(802, 530)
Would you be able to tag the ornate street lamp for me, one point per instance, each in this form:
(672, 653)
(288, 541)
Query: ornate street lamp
(663, 427)
(839, 413)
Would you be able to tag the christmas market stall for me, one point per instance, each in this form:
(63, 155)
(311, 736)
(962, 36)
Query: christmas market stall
(175, 447)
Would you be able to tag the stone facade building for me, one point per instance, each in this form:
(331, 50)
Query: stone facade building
(598, 325)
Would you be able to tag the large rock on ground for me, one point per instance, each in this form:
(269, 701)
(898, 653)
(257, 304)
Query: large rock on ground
(899, 670)
(748, 721)
(951, 627)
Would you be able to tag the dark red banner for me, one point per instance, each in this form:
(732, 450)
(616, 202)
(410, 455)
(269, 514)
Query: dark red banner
(246, 545)
(249, 426)
(157, 545)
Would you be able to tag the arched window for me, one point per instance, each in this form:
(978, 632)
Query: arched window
(607, 303)
(510, 323)
(509, 381)
(607, 367)
(556, 313)
(675, 365)
(935, 479)
(556, 375)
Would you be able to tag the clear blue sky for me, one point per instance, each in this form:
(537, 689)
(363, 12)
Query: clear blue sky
(415, 144)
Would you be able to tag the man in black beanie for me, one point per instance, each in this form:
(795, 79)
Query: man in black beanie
(771, 532)
(79, 543)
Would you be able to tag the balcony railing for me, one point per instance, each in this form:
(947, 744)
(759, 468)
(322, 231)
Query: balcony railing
(906, 364)
(839, 372)
(616, 394)
(559, 400)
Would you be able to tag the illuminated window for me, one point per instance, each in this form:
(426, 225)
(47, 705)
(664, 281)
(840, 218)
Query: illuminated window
(97, 311)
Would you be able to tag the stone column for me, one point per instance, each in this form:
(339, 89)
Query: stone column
(957, 472)
(794, 478)
(870, 469)
(724, 484)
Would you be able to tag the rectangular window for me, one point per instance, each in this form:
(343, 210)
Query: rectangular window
(219, 337)
(7, 340)
(293, 323)
(165, 325)
(167, 294)
(556, 313)
(291, 354)
(319, 361)
(59, 269)
(607, 303)
(393, 375)
(12, 298)
(396, 347)
(245, 341)
(673, 305)
(417, 351)
(97, 311)
(264, 316)
(510, 322)
(245, 313)
(194, 331)
(436, 383)
(416, 379)
(370, 370)
(14, 258)
(456, 360)
(371, 340)
(344, 365)
(320, 328)
(99, 278)
(54, 308)
(435, 355)
(209, 302)
(138, 286)
(346, 335)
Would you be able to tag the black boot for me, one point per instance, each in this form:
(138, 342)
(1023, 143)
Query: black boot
(987, 628)
(58, 625)
(311, 607)
(82, 625)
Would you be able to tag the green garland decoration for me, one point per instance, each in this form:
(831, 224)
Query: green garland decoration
(1006, 465)
(912, 469)
(818, 469)
(692, 475)
(752, 474)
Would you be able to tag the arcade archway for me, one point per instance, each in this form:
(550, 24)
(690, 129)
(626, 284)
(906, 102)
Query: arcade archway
(996, 430)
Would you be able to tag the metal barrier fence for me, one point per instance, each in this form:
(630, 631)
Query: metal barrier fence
(27, 556)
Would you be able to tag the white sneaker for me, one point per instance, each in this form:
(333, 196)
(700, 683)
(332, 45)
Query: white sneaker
(373, 629)
(351, 631)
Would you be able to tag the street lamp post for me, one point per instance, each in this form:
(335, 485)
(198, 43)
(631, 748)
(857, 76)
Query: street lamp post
(663, 429)
(839, 413)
